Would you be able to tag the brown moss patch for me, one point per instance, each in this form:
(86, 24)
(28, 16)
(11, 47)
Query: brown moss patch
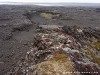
(59, 58)
(59, 64)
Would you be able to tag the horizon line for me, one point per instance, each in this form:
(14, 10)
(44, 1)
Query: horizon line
(49, 2)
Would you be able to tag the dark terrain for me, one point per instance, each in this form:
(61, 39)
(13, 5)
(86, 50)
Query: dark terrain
(19, 25)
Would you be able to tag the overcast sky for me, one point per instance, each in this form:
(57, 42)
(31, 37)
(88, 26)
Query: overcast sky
(51, 1)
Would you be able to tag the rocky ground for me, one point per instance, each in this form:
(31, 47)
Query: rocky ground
(59, 50)
(73, 37)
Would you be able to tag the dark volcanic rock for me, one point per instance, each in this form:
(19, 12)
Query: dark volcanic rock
(17, 32)
(81, 33)
(5, 33)
(21, 28)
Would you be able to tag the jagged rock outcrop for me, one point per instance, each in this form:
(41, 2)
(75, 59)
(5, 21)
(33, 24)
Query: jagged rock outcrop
(61, 51)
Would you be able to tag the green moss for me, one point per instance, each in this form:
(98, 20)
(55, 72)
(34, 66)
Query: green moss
(95, 59)
(97, 45)
(47, 15)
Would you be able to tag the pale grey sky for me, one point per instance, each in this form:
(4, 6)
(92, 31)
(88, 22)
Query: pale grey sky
(51, 1)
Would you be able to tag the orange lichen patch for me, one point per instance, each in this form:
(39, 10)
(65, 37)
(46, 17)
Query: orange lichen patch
(59, 64)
